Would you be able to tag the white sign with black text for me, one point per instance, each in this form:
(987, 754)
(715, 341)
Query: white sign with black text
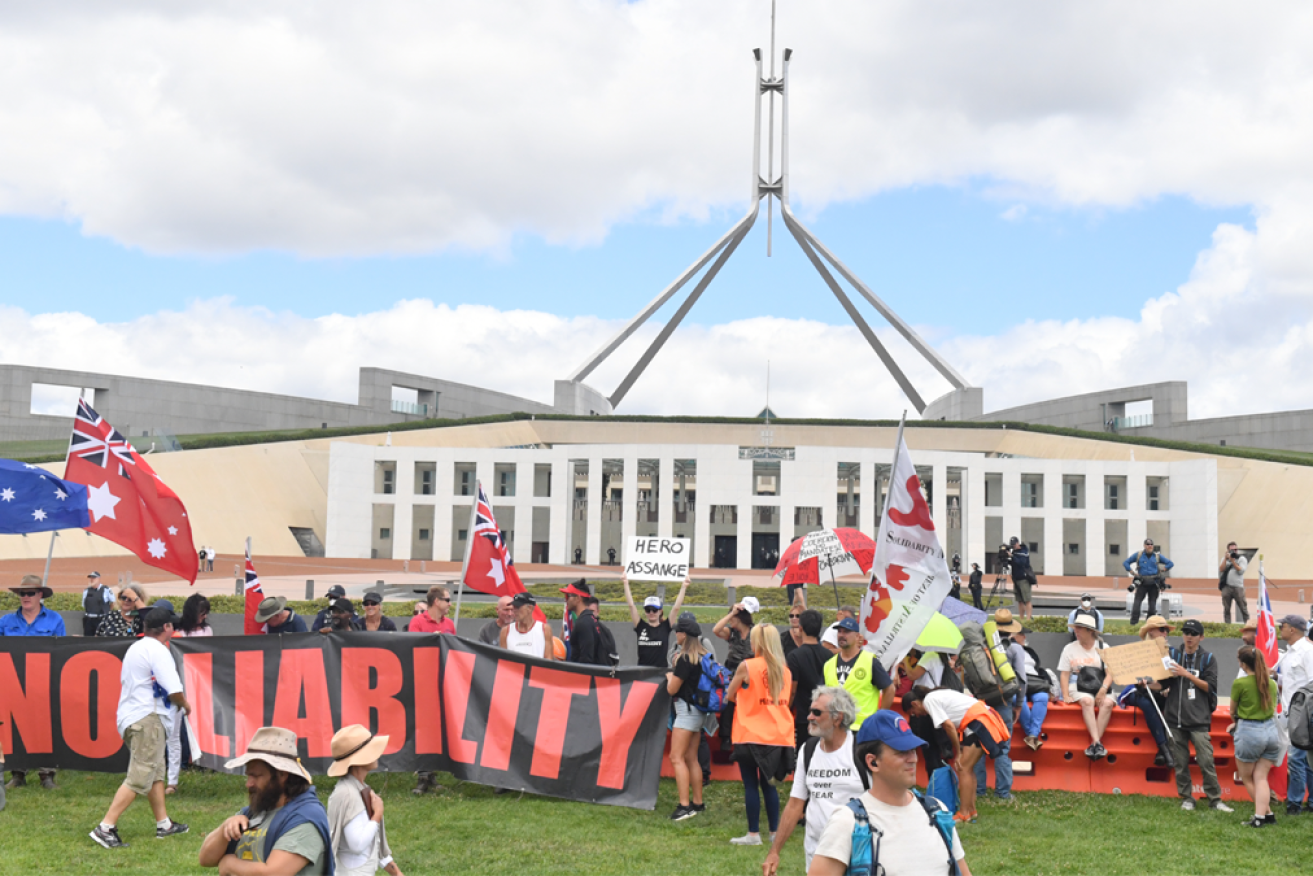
(650, 558)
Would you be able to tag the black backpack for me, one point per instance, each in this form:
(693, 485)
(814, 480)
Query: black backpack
(606, 644)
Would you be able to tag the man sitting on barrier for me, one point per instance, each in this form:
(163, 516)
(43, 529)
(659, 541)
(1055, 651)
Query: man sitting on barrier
(1082, 676)
(973, 729)
(1033, 702)
(1150, 698)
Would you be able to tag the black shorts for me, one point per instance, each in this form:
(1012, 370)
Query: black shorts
(978, 735)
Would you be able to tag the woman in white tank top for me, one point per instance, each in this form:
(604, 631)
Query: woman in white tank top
(526, 635)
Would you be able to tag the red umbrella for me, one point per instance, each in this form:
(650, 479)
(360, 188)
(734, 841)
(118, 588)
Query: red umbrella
(791, 570)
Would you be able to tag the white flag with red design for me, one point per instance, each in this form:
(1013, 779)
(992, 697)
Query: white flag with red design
(909, 577)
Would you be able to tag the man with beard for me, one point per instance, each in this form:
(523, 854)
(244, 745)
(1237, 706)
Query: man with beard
(284, 828)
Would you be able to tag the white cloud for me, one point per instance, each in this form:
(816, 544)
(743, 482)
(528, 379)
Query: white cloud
(332, 128)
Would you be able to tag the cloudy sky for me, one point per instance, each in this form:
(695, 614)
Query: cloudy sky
(1060, 197)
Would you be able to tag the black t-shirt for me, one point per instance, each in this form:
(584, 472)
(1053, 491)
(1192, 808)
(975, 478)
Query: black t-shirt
(879, 678)
(688, 673)
(807, 665)
(653, 643)
(786, 641)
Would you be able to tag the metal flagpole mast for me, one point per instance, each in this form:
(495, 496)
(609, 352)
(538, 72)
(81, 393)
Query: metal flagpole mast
(45, 576)
(469, 543)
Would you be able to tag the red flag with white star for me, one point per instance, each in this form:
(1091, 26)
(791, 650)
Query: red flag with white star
(128, 503)
(490, 568)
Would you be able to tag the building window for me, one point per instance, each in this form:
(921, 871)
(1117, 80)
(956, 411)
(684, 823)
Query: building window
(384, 533)
(389, 484)
(426, 482)
(1153, 498)
(1113, 498)
(1034, 547)
(423, 535)
(1072, 495)
(1114, 550)
(1073, 549)
(462, 534)
(1029, 494)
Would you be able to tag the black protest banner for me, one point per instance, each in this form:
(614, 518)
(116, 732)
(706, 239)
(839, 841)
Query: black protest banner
(484, 714)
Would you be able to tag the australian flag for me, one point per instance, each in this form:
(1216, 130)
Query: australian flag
(34, 500)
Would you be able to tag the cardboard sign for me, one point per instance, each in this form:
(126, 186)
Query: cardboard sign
(658, 559)
(1130, 663)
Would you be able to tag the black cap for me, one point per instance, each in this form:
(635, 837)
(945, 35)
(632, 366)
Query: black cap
(159, 614)
(337, 591)
(372, 596)
(1192, 627)
(688, 624)
(344, 605)
(520, 600)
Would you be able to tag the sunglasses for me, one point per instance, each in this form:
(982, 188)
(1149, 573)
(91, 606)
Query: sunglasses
(795, 615)
(28, 592)
(419, 611)
(815, 713)
(649, 609)
(125, 597)
(444, 599)
(367, 602)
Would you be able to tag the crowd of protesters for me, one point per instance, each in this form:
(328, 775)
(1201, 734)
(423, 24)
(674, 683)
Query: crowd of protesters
(795, 704)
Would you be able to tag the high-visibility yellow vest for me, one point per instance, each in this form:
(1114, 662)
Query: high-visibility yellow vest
(858, 684)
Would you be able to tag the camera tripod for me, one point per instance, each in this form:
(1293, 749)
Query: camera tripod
(1000, 588)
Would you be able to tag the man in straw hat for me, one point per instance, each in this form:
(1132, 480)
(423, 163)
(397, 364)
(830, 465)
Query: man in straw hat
(280, 619)
(284, 827)
(355, 812)
(1150, 697)
(150, 697)
(32, 619)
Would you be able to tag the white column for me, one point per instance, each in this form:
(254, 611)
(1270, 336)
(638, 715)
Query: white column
(973, 517)
(628, 508)
(403, 511)
(1055, 547)
(593, 553)
(702, 540)
(560, 552)
(522, 502)
(665, 500)
(867, 521)
(744, 532)
(443, 497)
(1096, 542)
(1137, 523)
(939, 500)
(1011, 509)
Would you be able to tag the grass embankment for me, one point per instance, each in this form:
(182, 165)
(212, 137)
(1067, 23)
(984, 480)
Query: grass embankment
(465, 829)
(705, 599)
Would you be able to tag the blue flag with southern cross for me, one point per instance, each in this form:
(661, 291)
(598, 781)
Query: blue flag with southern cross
(34, 500)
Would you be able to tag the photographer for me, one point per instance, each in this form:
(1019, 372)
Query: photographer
(1023, 577)
(1231, 582)
(1149, 577)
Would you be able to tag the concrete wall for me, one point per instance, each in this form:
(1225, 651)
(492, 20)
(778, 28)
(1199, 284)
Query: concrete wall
(958, 405)
(1092, 410)
(137, 406)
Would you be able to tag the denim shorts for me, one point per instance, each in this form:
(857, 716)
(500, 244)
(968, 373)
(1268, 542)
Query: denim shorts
(1256, 739)
(692, 720)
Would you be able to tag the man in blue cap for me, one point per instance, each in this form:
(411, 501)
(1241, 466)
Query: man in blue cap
(912, 835)
(857, 671)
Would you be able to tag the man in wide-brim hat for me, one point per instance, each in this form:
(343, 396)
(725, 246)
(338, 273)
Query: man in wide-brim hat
(283, 825)
(273, 611)
(355, 813)
(32, 619)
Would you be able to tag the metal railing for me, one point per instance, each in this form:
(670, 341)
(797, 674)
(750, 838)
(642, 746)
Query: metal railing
(1138, 421)
(405, 407)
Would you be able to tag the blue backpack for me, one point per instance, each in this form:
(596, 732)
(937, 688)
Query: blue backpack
(864, 859)
(713, 685)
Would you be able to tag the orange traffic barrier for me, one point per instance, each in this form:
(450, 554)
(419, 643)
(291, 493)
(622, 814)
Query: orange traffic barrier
(1061, 764)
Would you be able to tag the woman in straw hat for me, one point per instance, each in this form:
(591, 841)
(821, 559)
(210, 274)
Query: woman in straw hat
(355, 812)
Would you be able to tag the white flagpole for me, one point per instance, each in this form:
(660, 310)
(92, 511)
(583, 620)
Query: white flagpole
(469, 543)
(45, 576)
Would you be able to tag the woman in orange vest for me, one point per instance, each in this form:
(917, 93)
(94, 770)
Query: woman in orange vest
(763, 728)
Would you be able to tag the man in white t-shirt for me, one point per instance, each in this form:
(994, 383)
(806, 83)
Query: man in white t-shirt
(973, 729)
(910, 843)
(149, 700)
(1294, 671)
(826, 777)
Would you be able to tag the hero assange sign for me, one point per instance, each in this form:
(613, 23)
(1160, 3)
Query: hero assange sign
(481, 713)
(658, 559)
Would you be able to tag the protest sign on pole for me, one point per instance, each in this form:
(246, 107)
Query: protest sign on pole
(658, 559)
(909, 578)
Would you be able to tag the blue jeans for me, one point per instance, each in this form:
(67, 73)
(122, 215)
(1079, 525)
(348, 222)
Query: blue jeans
(1002, 764)
(1033, 712)
(752, 781)
(1143, 701)
(1298, 778)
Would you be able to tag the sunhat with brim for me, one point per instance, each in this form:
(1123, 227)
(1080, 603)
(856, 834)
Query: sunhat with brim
(1251, 624)
(1157, 622)
(1084, 620)
(1005, 622)
(45, 592)
(269, 607)
(275, 747)
(354, 745)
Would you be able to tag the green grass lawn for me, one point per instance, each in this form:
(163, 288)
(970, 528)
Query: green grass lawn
(465, 828)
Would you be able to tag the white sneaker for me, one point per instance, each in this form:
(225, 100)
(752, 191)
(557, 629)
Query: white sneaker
(748, 839)
(1187, 804)
(1219, 806)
